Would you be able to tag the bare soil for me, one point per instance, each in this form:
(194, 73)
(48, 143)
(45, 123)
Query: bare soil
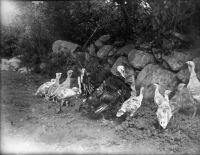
(30, 125)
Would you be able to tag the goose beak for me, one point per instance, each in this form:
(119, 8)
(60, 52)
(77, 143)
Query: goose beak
(155, 84)
(189, 62)
(170, 92)
(120, 69)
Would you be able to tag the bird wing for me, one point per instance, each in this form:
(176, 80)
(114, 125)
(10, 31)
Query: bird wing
(52, 89)
(127, 105)
(66, 93)
(66, 83)
(158, 99)
(44, 88)
(194, 89)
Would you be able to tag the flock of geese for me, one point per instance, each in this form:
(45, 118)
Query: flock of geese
(57, 92)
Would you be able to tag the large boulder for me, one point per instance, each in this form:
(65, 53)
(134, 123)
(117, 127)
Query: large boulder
(176, 60)
(120, 61)
(139, 59)
(4, 64)
(119, 43)
(14, 63)
(111, 60)
(61, 46)
(124, 51)
(112, 51)
(98, 44)
(104, 38)
(103, 52)
(155, 74)
(184, 74)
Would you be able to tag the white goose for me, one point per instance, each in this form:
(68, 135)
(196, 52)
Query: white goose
(193, 86)
(43, 89)
(65, 94)
(65, 84)
(177, 99)
(164, 111)
(53, 87)
(131, 105)
(128, 74)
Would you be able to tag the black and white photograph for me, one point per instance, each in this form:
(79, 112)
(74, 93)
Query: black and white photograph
(100, 77)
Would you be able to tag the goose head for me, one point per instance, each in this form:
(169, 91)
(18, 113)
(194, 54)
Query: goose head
(164, 115)
(181, 86)
(53, 80)
(191, 65)
(167, 92)
(58, 75)
(69, 73)
(83, 71)
(121, 70)
(156, 84)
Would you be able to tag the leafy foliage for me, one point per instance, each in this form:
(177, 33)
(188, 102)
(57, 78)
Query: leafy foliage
(149, 24)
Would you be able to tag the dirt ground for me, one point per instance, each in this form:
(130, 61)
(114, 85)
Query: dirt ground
(29, 125)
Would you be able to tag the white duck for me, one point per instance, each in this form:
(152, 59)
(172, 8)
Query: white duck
(53, 87)
(128, 74)
(65, 94)
(43, 89)
(193, 86)
(131, 105)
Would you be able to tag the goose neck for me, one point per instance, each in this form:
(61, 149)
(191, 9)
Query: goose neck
(141, 94)
(192, 73)
(57, 80)
(157, 89)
